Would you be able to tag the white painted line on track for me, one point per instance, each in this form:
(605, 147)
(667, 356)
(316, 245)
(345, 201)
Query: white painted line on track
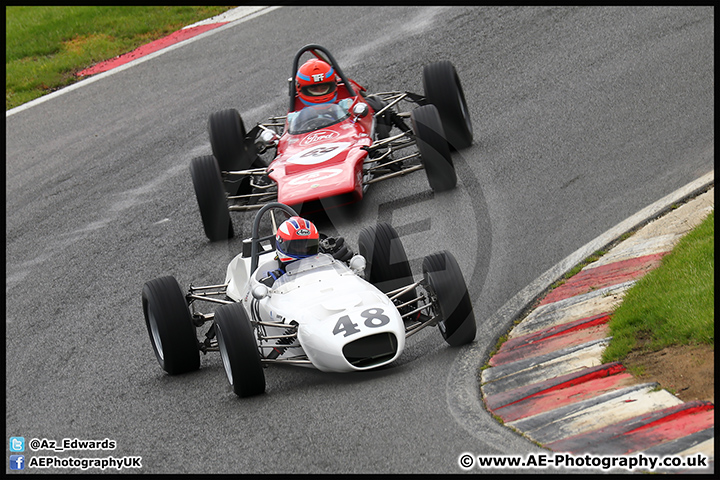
(229, 16)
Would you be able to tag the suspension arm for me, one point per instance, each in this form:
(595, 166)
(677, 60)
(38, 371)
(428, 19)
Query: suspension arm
(252, 171)
(245, 208)
(205, 298)
(288, 361)
(398, 160)
(394, 174)
(412, 330)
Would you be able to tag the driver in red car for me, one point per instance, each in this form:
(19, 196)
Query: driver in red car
(316, 83)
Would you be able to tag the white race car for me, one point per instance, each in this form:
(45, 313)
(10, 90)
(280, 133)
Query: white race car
(334, 311)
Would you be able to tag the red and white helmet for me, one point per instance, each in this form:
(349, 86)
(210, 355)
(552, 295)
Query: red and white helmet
(296, 238)
(315, 82)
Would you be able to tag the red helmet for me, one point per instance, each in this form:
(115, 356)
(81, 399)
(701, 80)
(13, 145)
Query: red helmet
(315, 82)
(296, 238)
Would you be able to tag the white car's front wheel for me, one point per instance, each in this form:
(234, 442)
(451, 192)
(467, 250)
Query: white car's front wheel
(451, 299)
(239, 350)
(170, 327)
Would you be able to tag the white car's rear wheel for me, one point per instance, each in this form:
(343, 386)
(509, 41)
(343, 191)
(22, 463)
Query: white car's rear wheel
(387, 265)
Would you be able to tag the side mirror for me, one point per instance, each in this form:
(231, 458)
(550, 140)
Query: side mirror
(360, 109)
(357, 264)
(269, 138)
(260, 292)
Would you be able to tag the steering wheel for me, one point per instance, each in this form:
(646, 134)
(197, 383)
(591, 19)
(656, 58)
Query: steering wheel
(314, 124)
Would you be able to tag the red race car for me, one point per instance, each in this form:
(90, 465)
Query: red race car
(335, 141)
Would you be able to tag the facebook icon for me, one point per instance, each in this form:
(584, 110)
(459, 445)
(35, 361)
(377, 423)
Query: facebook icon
(17, 462)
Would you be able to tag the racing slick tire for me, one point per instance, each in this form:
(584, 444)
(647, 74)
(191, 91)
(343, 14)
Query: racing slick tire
(227, 139)
(387, 266)
(170, 326)
(434, 149)
(211, 198)
(239, 351)
(443, 89)
(444, 278)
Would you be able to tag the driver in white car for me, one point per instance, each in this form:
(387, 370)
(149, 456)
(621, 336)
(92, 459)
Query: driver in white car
(296, 238)
(299, 238)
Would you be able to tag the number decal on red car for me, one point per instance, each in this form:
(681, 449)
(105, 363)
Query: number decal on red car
(318, 154)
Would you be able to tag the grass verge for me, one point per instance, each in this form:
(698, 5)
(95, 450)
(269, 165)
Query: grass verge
(673, 304)
(46, 45)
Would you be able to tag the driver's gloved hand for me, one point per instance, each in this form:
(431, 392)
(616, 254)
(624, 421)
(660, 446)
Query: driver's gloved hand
(275, 274)
(270, 277)
(336, 247)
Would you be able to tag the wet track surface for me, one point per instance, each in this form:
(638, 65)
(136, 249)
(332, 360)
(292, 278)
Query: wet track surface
(582, 117)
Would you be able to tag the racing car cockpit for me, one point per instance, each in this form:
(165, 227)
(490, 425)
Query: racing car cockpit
(344, 86)
(314, 117)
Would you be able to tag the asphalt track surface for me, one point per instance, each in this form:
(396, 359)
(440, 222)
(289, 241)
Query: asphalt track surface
(582, 117)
